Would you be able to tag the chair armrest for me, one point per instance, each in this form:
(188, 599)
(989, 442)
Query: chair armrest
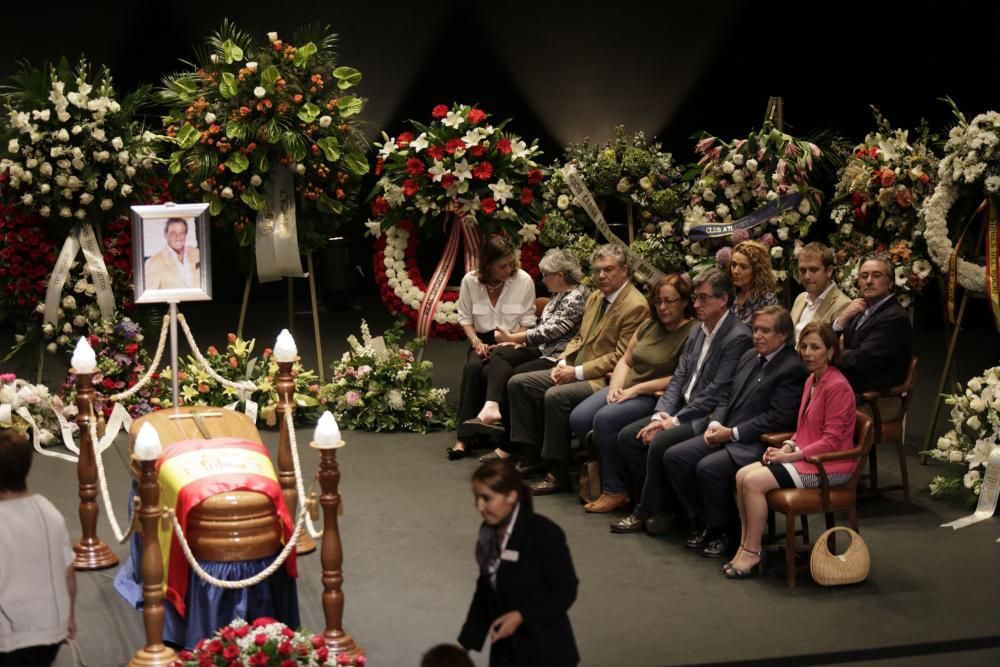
(871, 396)
(820, 459)
(775, 439)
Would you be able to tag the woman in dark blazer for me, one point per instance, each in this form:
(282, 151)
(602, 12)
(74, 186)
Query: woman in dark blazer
(526, 578)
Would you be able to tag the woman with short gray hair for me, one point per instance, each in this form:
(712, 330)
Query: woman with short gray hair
(536, 348)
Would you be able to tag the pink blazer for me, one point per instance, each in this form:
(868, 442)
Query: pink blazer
(826, 421)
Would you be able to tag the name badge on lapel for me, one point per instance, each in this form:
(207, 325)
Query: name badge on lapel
(510, 555)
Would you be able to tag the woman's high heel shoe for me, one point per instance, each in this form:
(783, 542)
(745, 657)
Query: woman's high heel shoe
(456, 454)
(733, 572)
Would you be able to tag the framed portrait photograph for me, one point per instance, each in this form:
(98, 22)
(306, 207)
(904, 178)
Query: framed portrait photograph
(170, 249)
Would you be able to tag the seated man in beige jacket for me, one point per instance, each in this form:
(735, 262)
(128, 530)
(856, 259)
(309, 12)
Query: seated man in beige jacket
(540, 401)
(822, 301)
(176, 266)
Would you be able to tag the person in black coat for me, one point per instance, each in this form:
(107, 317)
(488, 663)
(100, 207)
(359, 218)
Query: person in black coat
(526, 578)
(878, 336)
(764, 398)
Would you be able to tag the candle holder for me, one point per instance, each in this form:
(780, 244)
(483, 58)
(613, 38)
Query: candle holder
(332, 553)
(91, 552)
(285, 386)
(155, 653)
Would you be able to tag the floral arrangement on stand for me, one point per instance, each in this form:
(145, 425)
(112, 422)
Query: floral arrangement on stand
(879, 193)
(41, 405)
(975, 433)
(744, 175)
(458, 168)
(264, 643)
(379, 385)
(197, 387)
(968, 173)
(248, 108)
(121, 363)
(72, 158)
(633, 173)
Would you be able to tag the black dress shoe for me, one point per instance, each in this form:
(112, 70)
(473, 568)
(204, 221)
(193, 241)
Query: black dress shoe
(629, 524)
(658, 524)
(698, 539)
(489, 457)
(548, 486)
(717, 548)
(527, 468)
(456, 454)
(478, 427)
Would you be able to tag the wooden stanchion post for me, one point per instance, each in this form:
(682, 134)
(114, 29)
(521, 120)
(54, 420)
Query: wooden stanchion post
(332, 555)
(155, 653)
(91, 552)
(285, 386)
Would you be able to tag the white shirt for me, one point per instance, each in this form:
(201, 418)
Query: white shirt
(185, 266)
(610, 298)
(864, 315)
(515, 307)
(809, 312)
(736, 434)
(35, 552)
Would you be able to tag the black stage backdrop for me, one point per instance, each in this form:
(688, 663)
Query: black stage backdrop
(566, 71)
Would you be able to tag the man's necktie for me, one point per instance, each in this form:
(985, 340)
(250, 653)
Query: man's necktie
(600, 316)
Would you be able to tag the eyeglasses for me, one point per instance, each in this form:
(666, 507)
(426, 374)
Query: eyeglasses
(702, 298)
(667, 301)
(874, 275)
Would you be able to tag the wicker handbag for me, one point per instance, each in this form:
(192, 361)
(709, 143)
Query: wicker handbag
(849, 567)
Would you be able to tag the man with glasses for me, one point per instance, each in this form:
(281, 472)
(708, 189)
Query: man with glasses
(700, 383)
(541, 401)
(764, 398)
(822, 300)
(877, 334)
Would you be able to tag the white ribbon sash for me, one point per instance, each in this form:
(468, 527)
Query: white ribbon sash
(988, 495)
(276, 236)
(586, 200)
(34, 437)
(82, 237)
(461, 231)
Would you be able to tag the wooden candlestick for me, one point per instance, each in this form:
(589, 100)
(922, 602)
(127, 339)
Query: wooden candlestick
(91, 552)
(155, 653)
(285, 387)
(332, 557)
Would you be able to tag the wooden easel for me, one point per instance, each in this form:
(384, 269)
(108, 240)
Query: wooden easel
(311, 275)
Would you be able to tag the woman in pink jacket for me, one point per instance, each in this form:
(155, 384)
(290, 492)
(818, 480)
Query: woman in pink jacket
(826, 424)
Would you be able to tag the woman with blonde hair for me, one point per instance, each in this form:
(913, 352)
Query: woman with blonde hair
(753, 278)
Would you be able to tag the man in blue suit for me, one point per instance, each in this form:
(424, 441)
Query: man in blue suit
(764, 398)
(700, 383)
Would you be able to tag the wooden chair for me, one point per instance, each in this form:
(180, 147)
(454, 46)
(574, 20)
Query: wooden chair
(890, 428)
(540, 304)
(823, 500)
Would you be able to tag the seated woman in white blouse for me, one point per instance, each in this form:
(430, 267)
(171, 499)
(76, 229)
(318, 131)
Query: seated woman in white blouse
(498, 295)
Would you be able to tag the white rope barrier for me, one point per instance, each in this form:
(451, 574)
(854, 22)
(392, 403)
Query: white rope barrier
(106, 496)
(241, 583)
(245, 385)
(153, 366)
(299, 486)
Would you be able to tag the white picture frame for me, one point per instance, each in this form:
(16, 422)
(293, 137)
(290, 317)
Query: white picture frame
(171, 264)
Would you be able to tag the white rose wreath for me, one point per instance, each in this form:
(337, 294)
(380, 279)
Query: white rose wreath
(972, 158)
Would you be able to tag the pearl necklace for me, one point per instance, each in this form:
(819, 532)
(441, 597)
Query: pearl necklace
(494, 288)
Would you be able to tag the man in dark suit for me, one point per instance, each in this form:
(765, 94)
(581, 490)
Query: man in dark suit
(878, 336)
(700, 383)
(541, 401)
(764, 398)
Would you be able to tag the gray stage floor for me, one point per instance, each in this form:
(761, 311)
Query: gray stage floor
(409, 530)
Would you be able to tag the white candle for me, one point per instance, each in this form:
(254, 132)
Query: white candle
(84, 360)
(147, 443)
(327, 434)
(284, 347)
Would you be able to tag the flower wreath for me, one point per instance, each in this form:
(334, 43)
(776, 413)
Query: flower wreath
(479, 177)
(972, 158)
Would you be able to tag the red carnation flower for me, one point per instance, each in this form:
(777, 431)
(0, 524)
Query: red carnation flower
(380, 207)
(488, 206)
(447, 181)
(260, 639)
(259, 659)
(478, 150)
(483, 171)
(215, 647)
(415, 166)
(285, 648)
(436, 152)
(888, 178)
(132, 348)
(527, 196)
(440, 111)
(404, 139)
(535, 176)
(503, 145)
(378, 167)
(231, 652)
(317, 640)
(453, 145)
(475, 116)
(410, 187)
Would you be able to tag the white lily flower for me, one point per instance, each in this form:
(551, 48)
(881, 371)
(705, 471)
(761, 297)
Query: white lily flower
(388, 148)
(437, 171)
(374, 227)
(453, 119)
(519, 149)
(420, 143)
(463, 170)
(501, 191)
